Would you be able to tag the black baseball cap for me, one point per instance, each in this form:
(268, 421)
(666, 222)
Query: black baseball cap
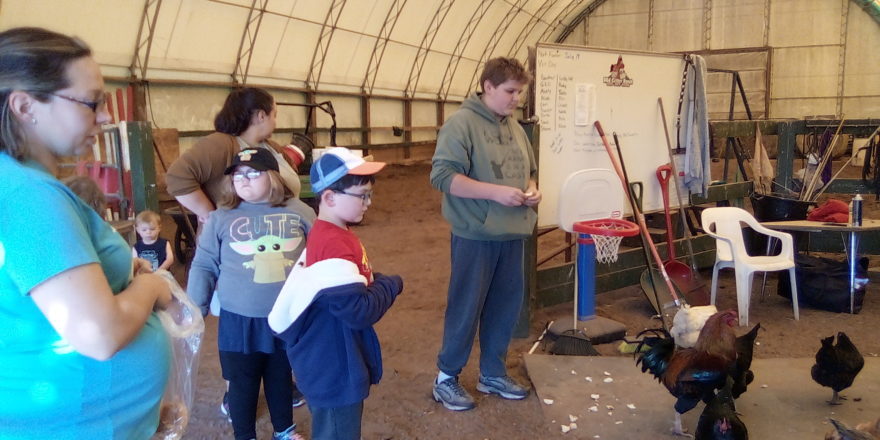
(259, 159)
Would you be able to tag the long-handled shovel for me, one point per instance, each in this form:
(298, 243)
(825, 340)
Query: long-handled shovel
(656, 293)
(682, 275)
(640, 218)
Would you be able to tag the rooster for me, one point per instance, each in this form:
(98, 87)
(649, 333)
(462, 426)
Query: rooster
(741, 372)
(837, 365)
(719, 420)
(693, 374)
(688, 322)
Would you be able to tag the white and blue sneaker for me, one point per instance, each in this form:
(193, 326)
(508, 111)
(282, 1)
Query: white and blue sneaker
(287, 434)
(452, 395)
(503, 386)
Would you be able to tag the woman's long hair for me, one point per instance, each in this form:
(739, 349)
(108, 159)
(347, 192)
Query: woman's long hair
(240, 106)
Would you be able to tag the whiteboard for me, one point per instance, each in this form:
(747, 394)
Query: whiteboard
(576, 86)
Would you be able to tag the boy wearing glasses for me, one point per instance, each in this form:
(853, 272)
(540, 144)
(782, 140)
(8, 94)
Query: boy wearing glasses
(343, 184)
(326, 312)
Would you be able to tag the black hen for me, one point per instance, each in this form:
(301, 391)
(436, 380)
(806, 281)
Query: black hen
(719, 420)
(837, 365)
(741, 373)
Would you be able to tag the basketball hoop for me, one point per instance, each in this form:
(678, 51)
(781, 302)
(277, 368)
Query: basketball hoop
(607, 234)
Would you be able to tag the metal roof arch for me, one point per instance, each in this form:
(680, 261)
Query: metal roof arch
(249, 36)
(460, 46)
(496, 37)
(320, 53)
(425, 46)
(144, 43)
(381, 43)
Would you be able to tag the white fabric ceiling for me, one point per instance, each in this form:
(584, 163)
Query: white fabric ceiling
(425, 48)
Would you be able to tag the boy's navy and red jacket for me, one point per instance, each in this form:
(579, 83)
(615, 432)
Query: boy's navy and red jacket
(325, 315)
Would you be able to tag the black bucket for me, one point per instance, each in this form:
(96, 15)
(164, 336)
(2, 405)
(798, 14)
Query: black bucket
(770, 208)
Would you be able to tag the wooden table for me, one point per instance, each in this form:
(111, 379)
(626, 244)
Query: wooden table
(125, 228)
(852, 253)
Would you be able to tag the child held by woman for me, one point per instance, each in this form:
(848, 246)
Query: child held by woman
(245, 253)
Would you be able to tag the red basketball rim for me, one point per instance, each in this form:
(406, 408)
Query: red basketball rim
(607, 226)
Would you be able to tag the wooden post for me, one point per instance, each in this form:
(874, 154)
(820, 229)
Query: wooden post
(366, 134)
(143, 167)
(407, 126)
(139, 103)
(312, 121)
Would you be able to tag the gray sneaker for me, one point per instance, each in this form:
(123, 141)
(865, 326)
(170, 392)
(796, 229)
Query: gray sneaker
(452, 395)
(503, 386)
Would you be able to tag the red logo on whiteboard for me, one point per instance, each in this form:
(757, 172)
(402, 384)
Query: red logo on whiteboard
(618, 76)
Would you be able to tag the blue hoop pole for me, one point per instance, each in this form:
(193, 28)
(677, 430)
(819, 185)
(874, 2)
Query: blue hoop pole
(586, 277)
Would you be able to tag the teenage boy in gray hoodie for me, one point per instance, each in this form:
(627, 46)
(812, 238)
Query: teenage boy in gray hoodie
(485, 167)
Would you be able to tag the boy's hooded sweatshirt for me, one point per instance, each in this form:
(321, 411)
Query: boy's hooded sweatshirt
(476, 143)
(325, 315)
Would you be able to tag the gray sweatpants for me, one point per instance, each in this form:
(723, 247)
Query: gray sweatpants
(486, 288)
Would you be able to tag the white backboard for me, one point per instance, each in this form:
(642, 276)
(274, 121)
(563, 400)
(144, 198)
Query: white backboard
(589, 195)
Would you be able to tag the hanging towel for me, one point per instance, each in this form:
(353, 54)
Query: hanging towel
(694, 127)
(762, 170)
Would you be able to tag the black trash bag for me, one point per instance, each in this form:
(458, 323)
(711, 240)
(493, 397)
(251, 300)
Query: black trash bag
(823, 283)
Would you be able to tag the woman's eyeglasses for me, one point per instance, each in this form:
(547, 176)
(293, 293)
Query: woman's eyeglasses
(365, 197)
(239, 176)
(93, 105)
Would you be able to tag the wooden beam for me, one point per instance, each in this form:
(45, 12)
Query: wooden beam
(725, 191)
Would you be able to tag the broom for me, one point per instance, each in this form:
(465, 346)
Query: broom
(540, 338)
(573, 342)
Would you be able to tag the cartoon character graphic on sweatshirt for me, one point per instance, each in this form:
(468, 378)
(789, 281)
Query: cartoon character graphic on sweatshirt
(267, 239)
(511, 166)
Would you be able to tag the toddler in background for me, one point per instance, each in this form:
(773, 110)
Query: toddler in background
(149, 245)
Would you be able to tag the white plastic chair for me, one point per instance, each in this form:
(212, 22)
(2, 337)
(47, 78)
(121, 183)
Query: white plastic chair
(723, 224)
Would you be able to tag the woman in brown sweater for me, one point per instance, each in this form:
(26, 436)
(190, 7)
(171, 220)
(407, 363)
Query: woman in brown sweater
(246, 120)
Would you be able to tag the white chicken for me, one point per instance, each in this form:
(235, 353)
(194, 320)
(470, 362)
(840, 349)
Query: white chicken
(688, 322)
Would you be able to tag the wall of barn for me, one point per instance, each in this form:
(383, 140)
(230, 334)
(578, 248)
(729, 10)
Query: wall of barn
(796, 58)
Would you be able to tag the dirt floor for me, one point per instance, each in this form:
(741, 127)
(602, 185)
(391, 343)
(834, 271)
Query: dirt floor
(405, 234)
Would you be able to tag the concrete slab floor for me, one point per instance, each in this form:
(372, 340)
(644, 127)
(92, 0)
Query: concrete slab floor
(782, 402)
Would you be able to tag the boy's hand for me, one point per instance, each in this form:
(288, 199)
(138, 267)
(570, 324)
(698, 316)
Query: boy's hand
(533, 197)
(509, 196)
(395, 279)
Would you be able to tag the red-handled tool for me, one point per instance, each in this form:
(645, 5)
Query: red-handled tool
(664, 173)
(681, 274)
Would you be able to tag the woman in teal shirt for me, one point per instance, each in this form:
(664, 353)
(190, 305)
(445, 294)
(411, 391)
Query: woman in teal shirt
(81, 353)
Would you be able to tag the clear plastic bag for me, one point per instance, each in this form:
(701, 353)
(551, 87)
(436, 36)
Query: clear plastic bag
(185, 326)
